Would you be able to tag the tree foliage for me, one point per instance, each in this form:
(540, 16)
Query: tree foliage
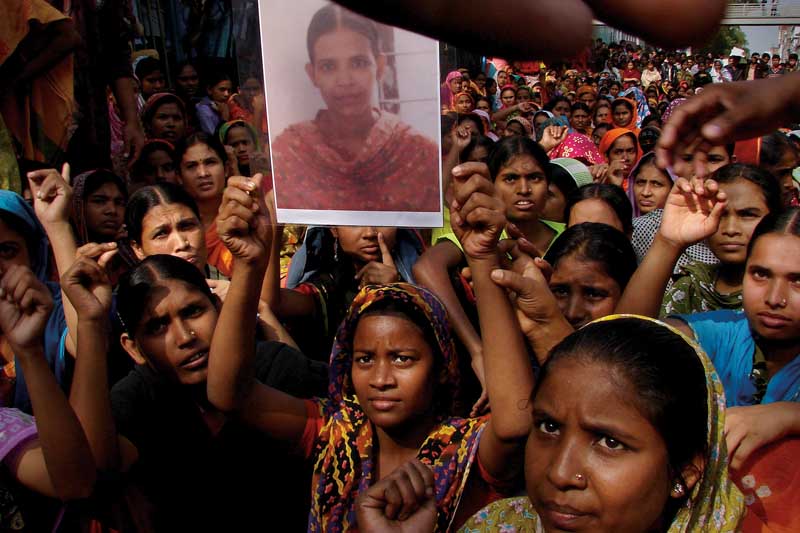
(726, 38)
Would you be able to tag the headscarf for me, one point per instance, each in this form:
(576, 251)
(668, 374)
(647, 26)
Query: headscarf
(78, 215)
(585, 89)
(614, 134)
(445, 92)
(36, 238)
(225, 128)
(344, 450)
(500, 94)
(632, 178)
(526, 124)
(576, 169)
(156, 101)
(671, 109)
(633, 125)
(714, 504)
(577, 146)
(458, 95)
(486, 120)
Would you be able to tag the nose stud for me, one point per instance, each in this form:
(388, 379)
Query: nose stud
(579, 477)
(192, 334)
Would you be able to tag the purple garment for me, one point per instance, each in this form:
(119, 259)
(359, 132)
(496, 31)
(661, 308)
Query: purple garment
(16, 428)
(646, 158)
(207, 116)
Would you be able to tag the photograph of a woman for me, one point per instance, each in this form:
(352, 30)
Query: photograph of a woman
(353, 162)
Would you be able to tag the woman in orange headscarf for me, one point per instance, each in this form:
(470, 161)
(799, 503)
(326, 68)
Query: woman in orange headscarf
(620, 148)
(624, 114)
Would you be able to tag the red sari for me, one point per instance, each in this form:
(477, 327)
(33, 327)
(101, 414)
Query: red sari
(397, 169)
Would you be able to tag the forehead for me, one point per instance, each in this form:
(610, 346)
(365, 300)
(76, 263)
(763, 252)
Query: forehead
(108, 188)
(522, 163)
(168, 296)
(343, 42)
(590, 390)
(778, 252)
(165, 213)
(743, 193)
(238, 134)
(651, 172)
(157, 157)
(199, 151)
(169, 108)
(574, 268)
(623, 142)
(390, 328)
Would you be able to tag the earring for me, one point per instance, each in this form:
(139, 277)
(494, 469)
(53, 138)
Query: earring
(336, 249)
(678, 490)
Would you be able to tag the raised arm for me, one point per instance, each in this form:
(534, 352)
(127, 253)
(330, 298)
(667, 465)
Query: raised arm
(478, 219)
(52, 202)
(88, 289)
(244, 227)
(691, 214)
(59, 464)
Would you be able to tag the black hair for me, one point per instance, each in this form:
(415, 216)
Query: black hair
(200, 137)
(510, 147)
(150, 196)
(773, 148)
(98, 178)
(610, 194)
(666, 375)
(241, 124)
(478, 140)
(581, 106)
(525, 88)
(649, 159)
(488, 100)
(215, 76)
(648, 136)
(786, 222)
(757, 176)
(147, 66)
(168, 98)
(332, 17)
(475, 119)
(156, 145)
(622, 101)
(554, 101)
(562, 179)
(605, 125)
(601, 243)
(448, 122)
(136, 284)
(654, 116)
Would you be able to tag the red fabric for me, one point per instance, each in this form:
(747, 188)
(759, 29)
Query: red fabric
(397, 169)
(611, 136)
(218, 255)
(770, 482)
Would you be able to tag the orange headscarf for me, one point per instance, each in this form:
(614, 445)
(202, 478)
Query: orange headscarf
(612, 135)
(634, 115)
(459, 95)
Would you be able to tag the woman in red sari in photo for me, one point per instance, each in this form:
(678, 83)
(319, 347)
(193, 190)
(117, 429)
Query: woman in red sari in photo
(352, 156)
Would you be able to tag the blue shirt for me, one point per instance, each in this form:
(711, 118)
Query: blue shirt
(727, 339)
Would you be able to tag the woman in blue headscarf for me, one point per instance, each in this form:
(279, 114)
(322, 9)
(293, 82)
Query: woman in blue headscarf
(23, 242)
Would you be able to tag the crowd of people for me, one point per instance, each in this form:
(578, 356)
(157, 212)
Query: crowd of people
(603, 336)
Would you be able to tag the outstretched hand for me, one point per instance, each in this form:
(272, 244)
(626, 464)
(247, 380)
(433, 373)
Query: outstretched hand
(724, 113)
(243, 222)
(692, 212)
(25, 306)
(477, 216)
(52, 194)
(402, 502)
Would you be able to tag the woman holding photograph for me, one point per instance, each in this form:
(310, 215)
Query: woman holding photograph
(352, 156)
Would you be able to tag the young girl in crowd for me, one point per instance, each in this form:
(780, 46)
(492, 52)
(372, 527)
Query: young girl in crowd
(602, 203)
(519, 170)
(779, 156)
(624, 114)
(212, 109)
(150, 75)
(156, 164)
(566, 176)
(463, 103)
(449, 89)
(163, 426)
(244, 140)
(164, 117)
(592, 264)
(202, 173)
(750, 194)
(620, 148)
(656, 462)
(98, 207)
(393, 379)
(648, 186)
